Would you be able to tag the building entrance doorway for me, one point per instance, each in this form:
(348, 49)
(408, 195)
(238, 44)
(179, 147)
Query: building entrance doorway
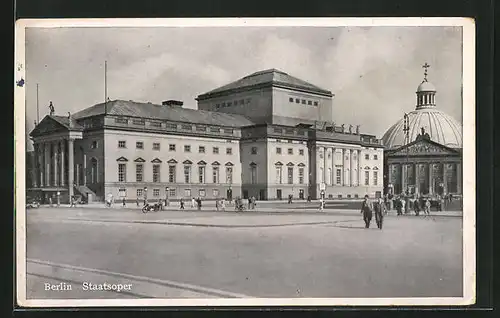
(301, 194)
(229, 195)
(278, 194)
(262, 194)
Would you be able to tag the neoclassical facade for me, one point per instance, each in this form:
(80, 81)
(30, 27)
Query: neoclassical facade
(423, 153)
(268, 135)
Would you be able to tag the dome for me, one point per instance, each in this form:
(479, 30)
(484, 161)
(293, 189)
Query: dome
(441, 127)
(426, 86)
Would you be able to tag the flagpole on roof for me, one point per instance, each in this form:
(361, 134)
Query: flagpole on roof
(37, 107)
(105, 87)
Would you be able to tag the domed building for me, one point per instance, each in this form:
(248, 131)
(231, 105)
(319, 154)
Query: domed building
(423, 150)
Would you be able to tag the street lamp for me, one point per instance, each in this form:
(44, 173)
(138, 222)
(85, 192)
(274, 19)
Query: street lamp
(166, 195)
(145, 195)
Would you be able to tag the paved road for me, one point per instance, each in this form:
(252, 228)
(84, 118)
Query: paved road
(214, 254)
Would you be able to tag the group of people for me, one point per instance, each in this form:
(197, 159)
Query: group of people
(368, 208)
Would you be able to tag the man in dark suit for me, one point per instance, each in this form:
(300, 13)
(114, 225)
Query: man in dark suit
(366, 210)
(379, 208)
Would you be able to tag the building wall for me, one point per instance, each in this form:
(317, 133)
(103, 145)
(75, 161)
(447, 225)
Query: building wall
(112, 137)
(84, 153)
(285, 158)
(260, 159)
(283, 107)
(255, 104)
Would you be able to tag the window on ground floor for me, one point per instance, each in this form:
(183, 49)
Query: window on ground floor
(156, 192)
(202, 193)
(140, 193)
(187, 193)
(171, 192)
(215, 193)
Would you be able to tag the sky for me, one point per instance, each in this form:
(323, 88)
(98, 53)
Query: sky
(372, 71)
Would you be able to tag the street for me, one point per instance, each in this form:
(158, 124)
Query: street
(206, 254)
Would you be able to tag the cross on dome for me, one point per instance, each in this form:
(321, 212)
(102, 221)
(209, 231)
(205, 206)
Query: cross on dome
(425, 66)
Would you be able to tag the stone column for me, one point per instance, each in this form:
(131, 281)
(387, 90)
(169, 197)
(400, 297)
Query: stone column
(47, 164)
(389, 174)
(351, 166)
(459, 178)
(417, 177)
(54, 159)
(71, 166)
(325, 165)
(403, 177)
(343, 168)
(431, 178)
(63, 168)
(445, 179)
(334, 170)
(359, 168)
(319, 164)
(84, 169)
(35, 166)
(41, 164)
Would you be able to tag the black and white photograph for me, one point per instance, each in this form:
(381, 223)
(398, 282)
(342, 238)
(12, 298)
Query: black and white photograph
(226, 162)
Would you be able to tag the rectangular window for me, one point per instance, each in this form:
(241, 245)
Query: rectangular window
(367, 157)
(141, 122)
(229, 175)
(278, 140)
(171, 173)
(122, 144)
(253, 151)
(171, 193)
(201, 149)
(156, 173)
(215, 129)
(155, 124)
(338, 176)
(187, 174)
(215, 193)
(171, 126)
(290, 141)
(201, 128)
(301, 175)
(93, 145)
(289, 131)
(290, 151)
(187, 148)
(301, 152)
(297, 100)
(375, 177)
(215, 174)
(367, 178)
(229, 151)
(122, 172)
(187, 193)
(171, 147)
(278, 130)
(290, 175)
(139, 193)
(121, 120)
(290, 99)
(122, 193)
(139, 171)
(315, 103)
(278, 150)
(242, 101)
(201, 174)
(309, 102)
(279, 178)
(228, 131)
(139, 145)
(156, 192)
(156, 146)
(304, 101)
(187, 127)
(253, 174)
(202, 193)
(215, 150)
(375, 157)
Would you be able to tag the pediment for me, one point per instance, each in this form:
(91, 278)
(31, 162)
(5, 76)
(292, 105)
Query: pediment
(215, 163)
(201, 163)
(229, 164)
(122, 159)
(156, 160)
(47, 126)
(423, 147)
(290, 164)
(301, 165)
(187, 162)
(172, 161)
(139, 160)
(278, 163)
(253, 164)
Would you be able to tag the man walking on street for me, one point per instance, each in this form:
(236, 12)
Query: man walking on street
(379, 212)
(366, 210)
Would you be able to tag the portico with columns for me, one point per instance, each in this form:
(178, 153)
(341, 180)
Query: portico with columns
(54, 157)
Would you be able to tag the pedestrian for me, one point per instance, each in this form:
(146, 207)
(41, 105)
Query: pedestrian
(416, 206)
(72, 201)
(160, 204)
(253, 203)
(222, 205)
(366, 210)
(321, 204)
(137, 202)
(124, 202)
(50, 201)
(193, 203)
(217, 204)
(427, 207)
(403, 206)
(182, 204)
(379, 207)
(199, 204)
